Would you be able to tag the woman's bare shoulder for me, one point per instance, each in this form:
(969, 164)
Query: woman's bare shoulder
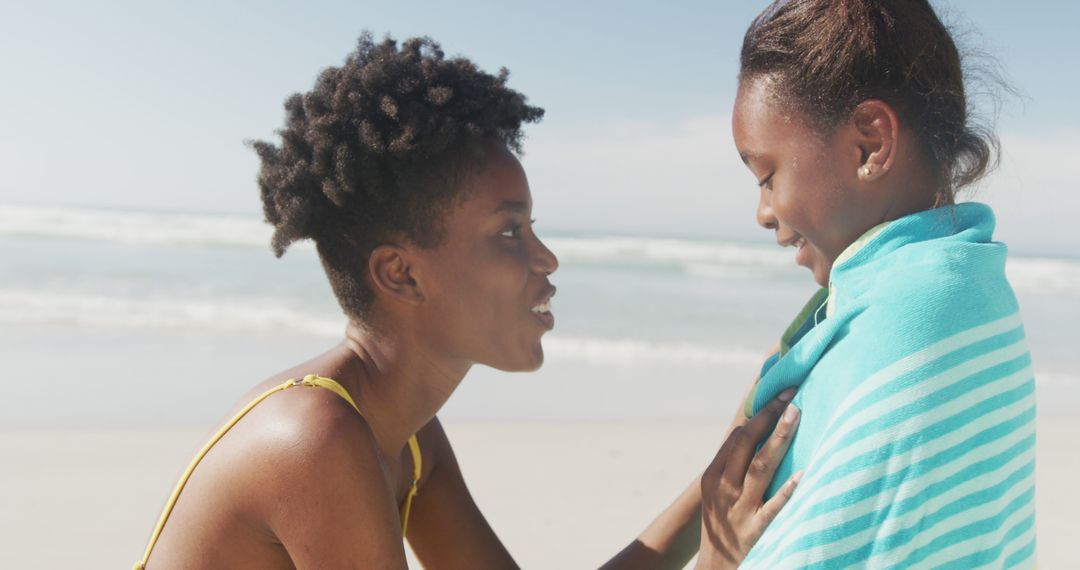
(316, 464)
(300, 425)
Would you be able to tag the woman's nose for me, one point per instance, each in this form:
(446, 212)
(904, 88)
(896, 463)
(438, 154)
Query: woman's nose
(544, 261)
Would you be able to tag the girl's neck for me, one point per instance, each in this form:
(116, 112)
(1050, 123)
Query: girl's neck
(911, 189)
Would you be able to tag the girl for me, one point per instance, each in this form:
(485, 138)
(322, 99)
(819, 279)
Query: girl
(400, 166)
(913, 372)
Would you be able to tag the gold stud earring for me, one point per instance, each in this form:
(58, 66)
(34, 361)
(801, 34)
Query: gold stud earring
(866, 170)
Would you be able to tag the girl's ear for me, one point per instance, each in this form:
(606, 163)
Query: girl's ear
(878, 130)
(391, 273)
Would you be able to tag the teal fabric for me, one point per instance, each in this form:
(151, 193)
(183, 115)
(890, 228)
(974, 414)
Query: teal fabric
(917, 435)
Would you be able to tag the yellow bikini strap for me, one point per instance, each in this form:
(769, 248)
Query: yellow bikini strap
(414, 445)
(310, 380)
(418, 468)
(199, 457)
(332, 385)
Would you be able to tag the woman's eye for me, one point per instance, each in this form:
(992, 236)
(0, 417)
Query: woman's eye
(766, 182)
(514, 230)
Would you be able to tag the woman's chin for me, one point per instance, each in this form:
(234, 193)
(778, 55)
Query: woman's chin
(529, 361)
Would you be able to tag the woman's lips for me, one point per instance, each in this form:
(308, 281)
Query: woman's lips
(542, 313)
(547, 319)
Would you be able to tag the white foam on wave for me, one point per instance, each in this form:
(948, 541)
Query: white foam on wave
(665, 251)
(708, 259)
(1043, 275)
(142, 228)
(1056, 380)
(221, 315)
(273, 315)
(626, 351)
(146, 228)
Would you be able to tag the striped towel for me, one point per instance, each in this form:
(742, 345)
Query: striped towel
(918, 430)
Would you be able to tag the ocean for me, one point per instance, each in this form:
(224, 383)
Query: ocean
(123, 318)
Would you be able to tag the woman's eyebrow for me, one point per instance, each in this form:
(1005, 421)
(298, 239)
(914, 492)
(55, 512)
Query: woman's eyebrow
(515, 206)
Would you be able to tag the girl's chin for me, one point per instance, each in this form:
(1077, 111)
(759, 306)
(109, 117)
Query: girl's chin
(811, 258)
(821, 272)
(818, 268)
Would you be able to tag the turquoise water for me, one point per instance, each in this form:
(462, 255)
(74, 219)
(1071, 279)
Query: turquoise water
(127, 318)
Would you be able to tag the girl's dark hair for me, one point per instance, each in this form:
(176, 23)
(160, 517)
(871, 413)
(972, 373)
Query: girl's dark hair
(824, 57)
(377, 151)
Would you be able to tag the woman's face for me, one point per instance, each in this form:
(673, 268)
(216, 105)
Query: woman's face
(806, 181)
(486, 286)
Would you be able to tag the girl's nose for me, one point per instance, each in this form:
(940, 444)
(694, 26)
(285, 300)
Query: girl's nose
(765, 217)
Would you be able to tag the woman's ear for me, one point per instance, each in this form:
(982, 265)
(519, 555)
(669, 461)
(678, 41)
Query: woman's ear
(877, 131)
(391, 273)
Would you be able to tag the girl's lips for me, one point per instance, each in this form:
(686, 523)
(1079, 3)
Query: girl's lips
(802, 256)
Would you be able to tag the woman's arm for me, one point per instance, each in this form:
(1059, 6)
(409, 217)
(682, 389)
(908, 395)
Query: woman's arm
(677, 534)
(326, 497)
(446, 528)
(670, 541)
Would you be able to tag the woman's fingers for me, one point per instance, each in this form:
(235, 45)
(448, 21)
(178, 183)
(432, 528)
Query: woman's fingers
(744, 441)
(760, 472)
(772, 507)
(712, 478)
(729, 525)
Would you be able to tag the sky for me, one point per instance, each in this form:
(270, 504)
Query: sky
(145, 105)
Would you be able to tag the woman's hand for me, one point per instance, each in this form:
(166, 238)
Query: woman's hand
(733, 515)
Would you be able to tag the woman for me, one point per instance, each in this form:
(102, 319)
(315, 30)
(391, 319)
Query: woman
(399, 165)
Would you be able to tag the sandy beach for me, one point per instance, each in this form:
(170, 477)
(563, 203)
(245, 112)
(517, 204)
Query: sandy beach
(560, 495)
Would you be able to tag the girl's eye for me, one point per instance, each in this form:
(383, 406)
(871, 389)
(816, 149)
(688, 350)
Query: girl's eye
(766, 182)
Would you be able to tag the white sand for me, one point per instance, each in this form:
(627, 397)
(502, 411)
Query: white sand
(560, 496)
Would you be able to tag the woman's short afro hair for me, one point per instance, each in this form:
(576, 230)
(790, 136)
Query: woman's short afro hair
(377, 150)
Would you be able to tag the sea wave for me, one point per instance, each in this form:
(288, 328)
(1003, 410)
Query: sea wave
(1043, 275)
(1057, 380)
(273, 315)
(140, 228)
(690, 254)
(148, 228)
(624, 351)
(269, 315)
(699, 258)
(21, 307)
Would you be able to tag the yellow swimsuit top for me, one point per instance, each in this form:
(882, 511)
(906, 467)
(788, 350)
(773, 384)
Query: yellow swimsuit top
(310, 380)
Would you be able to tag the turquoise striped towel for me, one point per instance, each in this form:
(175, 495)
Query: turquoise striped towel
(918, 398)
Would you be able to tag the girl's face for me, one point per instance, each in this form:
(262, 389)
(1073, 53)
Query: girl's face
(486, 288)
(807, 182)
